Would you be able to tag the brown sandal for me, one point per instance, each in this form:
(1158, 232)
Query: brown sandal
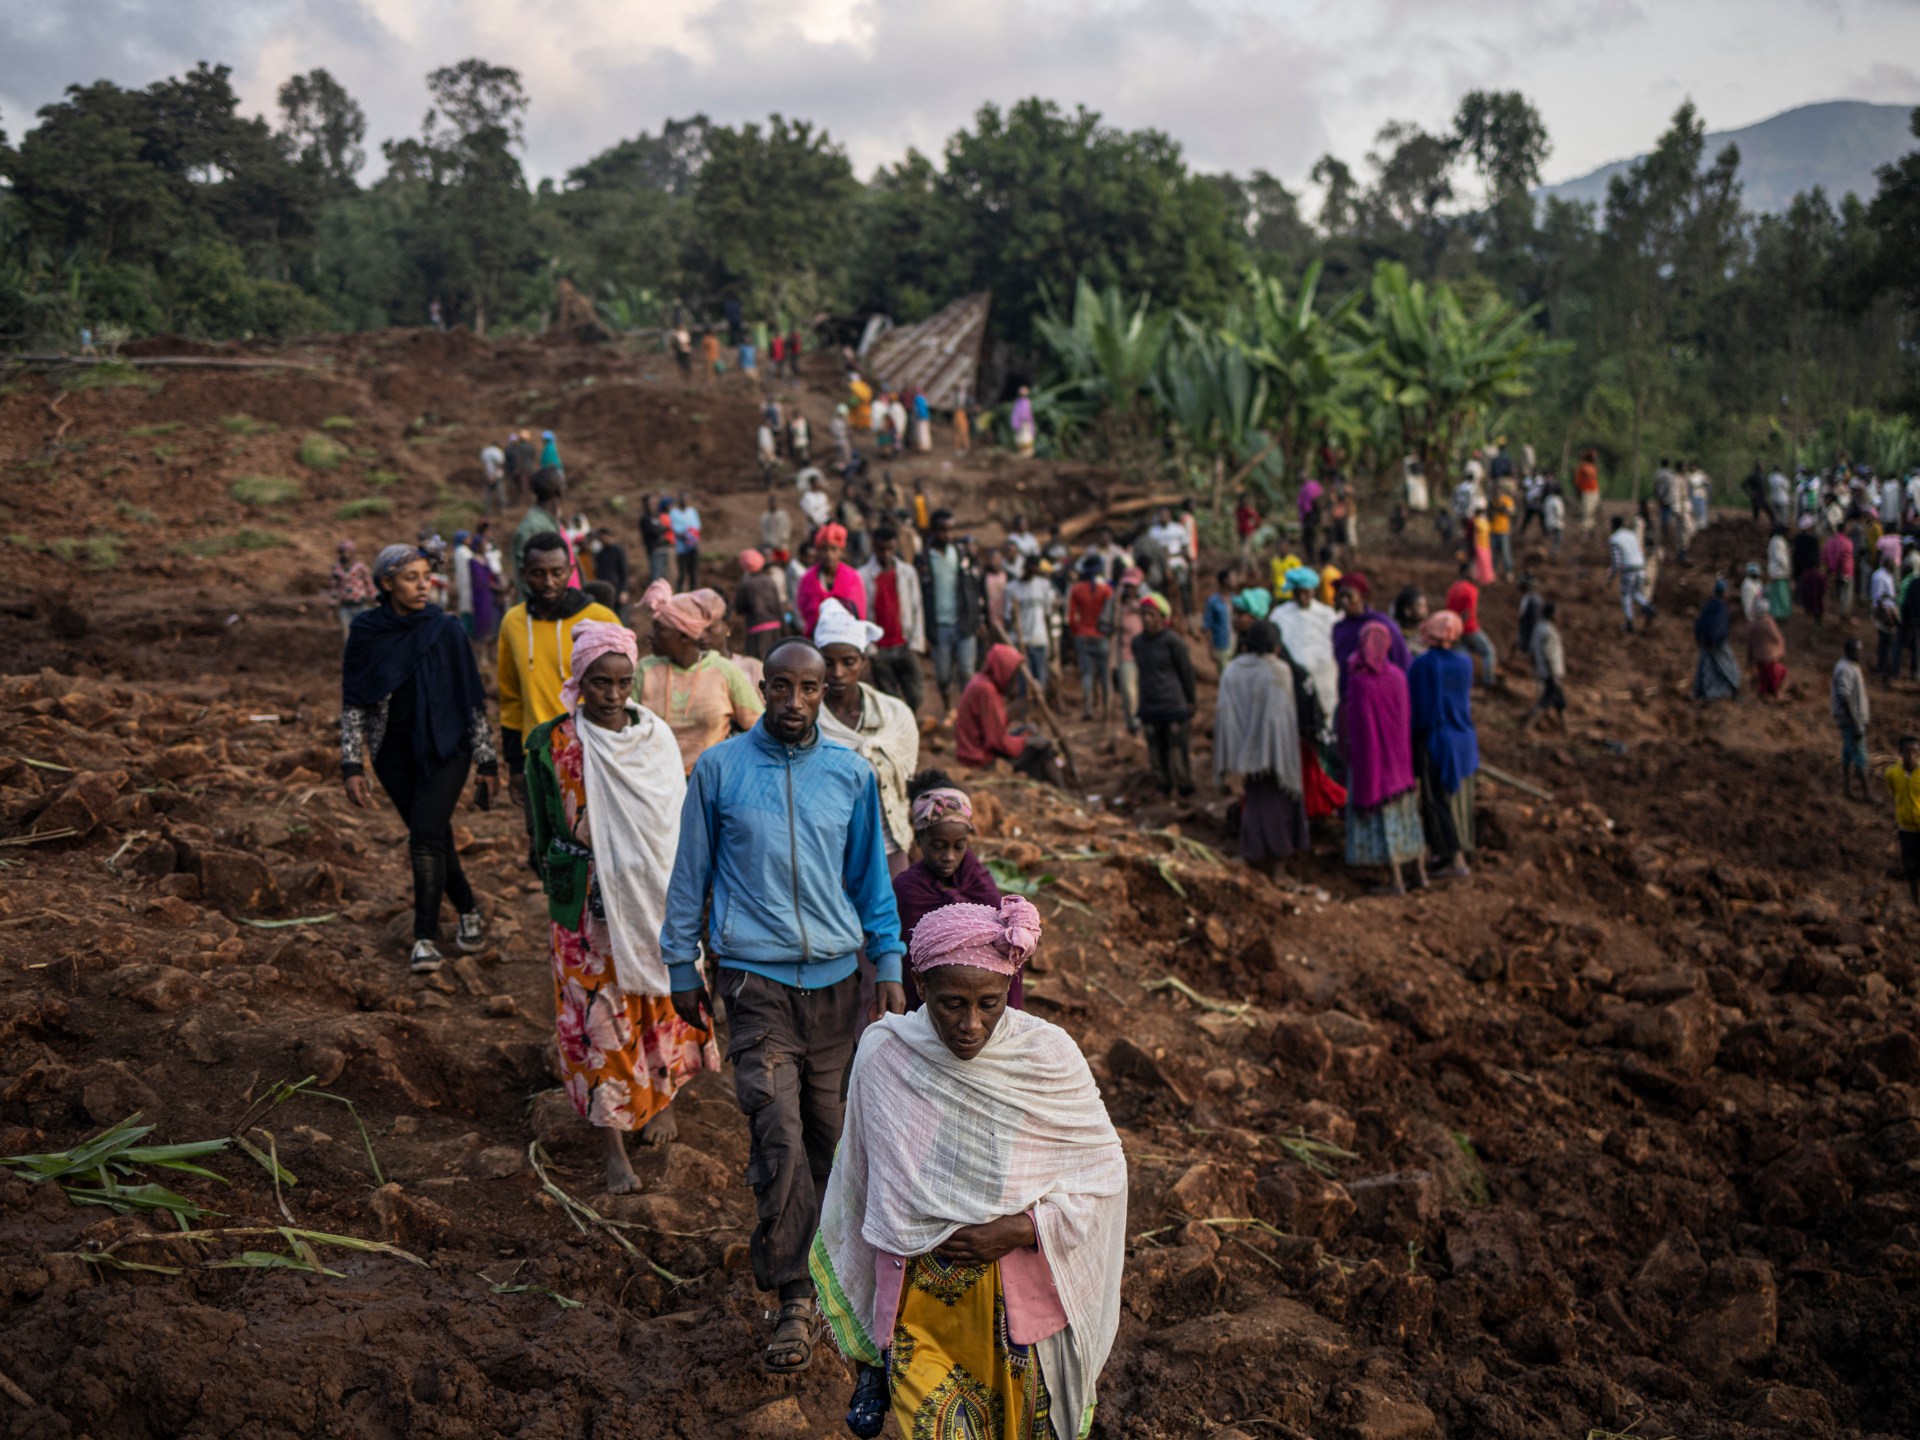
(788, 1353)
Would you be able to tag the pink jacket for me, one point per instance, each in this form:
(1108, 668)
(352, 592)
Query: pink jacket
(848, 588)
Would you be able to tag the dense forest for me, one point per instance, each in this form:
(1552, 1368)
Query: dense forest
(1143, 297)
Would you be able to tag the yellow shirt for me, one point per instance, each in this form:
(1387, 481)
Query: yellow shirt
(535, 661)
(1329, 576)
(1503, 515)
(1905, 785)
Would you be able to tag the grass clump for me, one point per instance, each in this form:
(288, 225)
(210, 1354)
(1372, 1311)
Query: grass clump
(96, 552)
(366, 508)
(318, 452)
(381, 479)
(108, 375)
(234, 542)
(163, 453)
(262, 490)
(165, 427)
(337, 422)
(139, 514)
(247, 425)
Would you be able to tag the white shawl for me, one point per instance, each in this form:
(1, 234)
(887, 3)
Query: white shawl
(1256, 728)
(889, 740)
(635, 787)
(932, 1143)
(1308, 634)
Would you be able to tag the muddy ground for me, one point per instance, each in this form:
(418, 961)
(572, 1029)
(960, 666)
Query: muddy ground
(1622, 1134)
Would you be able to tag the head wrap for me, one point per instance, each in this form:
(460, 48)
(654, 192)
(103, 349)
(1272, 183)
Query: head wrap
(930, 807)
(1154, 600)
(1442, 628)
(690, 614)
(1255, 601)
(1376, 642)
(1806, 522)
(831, 534)
(1356, 582)
(591, 640)
(1720, 587)
(1753, 567)
(1133, 575)
(752, 561)
(978, 935)
(1301, 578)
(346, 547)
(838, 625)
(462, 537)
(389, 560)
(1091, 566)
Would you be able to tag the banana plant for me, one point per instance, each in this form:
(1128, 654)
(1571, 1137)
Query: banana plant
(1439, 367)
(1314, 361)
(1107, 351)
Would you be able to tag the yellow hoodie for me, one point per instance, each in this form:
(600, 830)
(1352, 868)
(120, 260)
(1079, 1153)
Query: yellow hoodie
(535, 661)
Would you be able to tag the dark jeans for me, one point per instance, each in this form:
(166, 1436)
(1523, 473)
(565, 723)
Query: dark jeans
(790, 1050)
(895, 670)
(1167, 750)
(1908, 649)
(1091, 651)
(687, 562)
(1887, 660)
(426, 802)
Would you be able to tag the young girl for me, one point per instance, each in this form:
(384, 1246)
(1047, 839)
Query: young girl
(947, 872)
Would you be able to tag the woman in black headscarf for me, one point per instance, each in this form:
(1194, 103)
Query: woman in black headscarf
(411, 703)
(1716, 676)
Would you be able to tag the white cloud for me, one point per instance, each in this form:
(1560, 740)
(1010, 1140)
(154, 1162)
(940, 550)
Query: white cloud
(1240, 83)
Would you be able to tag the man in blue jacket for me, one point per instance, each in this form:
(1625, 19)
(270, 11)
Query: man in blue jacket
(781, 832)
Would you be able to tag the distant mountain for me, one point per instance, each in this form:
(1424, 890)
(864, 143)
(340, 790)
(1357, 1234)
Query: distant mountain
(1837, 145)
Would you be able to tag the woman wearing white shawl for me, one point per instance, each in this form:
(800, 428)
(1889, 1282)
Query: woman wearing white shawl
(1306, 628)
(604, 786)
(879, 728)
(973, 1232)
(1256, 736)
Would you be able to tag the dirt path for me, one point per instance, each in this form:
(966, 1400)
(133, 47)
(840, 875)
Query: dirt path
(1621, 1134)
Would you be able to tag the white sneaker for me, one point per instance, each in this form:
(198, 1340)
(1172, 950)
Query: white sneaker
(472, 934)
(425, 958)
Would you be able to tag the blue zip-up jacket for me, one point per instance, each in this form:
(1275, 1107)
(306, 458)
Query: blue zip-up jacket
(788, 841)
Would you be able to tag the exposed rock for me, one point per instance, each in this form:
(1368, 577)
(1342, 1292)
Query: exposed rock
(1301, 1047)
(1210, 1191)
(1275, 1330)
(237, 879)
(1399, 1207)
(1368, 1413)
(1303, 1203)
(1743, 1323)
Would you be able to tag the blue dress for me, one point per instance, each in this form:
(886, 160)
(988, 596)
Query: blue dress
(1446, 749)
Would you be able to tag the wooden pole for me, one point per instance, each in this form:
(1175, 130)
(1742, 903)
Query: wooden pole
(1037, 692)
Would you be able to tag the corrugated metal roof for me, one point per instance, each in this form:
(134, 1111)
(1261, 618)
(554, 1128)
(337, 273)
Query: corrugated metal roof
(940, 355)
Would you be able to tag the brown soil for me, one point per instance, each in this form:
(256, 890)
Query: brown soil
(1631, 1120)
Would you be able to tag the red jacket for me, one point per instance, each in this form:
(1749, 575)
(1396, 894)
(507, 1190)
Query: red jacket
(980, 720)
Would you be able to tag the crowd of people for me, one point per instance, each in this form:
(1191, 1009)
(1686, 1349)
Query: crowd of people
(734, 817)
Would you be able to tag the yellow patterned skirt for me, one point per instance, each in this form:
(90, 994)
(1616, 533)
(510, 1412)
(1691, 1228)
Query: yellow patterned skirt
(952, 1371)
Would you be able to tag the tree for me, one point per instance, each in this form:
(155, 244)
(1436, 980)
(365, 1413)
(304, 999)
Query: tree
(670, 161)
(774, 210)
(1109, 349)
(1895, 216)
(321, 130)
(1507, 141)
(1040, 197)
(1313, 369)
(908, 266)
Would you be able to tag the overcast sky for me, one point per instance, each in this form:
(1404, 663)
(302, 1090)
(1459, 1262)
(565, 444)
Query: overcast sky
(1259, 83)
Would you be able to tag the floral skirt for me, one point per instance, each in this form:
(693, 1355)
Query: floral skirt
(1386, 833)
(952, 1371)
(622, 1056)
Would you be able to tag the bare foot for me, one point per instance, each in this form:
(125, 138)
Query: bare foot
(620, 1177)
(662, 1129)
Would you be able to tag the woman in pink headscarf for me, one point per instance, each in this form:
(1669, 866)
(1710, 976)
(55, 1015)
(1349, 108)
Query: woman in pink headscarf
(830, 579)
(702, 695)
(1383, 797)
(973, 1230)
(604, 789)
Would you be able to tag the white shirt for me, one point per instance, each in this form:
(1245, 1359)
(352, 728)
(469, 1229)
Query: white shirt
(462, 580)
(1554, 511)
(816, 507)
(1624, 546)
(493, 460)
(1779, 559)
(1030, 602)
(1173, 539)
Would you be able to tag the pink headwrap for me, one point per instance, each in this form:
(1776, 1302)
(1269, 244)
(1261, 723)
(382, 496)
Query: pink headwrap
(690, 614)
(931, 807)
(1441, 629)
(591, 640)
(831, 534)
(752, 561)
(978, 935)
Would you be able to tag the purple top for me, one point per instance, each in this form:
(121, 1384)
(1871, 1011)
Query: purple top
(1310, 493)
(1376, 720)
(917, 892)
(1346, 640)
(1022, 417)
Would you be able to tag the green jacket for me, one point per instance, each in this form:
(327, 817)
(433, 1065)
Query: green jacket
(563, 861)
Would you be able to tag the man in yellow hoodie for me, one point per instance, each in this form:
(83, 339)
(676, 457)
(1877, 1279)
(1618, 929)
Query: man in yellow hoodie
(536, 650)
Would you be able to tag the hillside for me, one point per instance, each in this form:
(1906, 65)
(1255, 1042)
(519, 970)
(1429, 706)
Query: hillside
(1837, 145)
